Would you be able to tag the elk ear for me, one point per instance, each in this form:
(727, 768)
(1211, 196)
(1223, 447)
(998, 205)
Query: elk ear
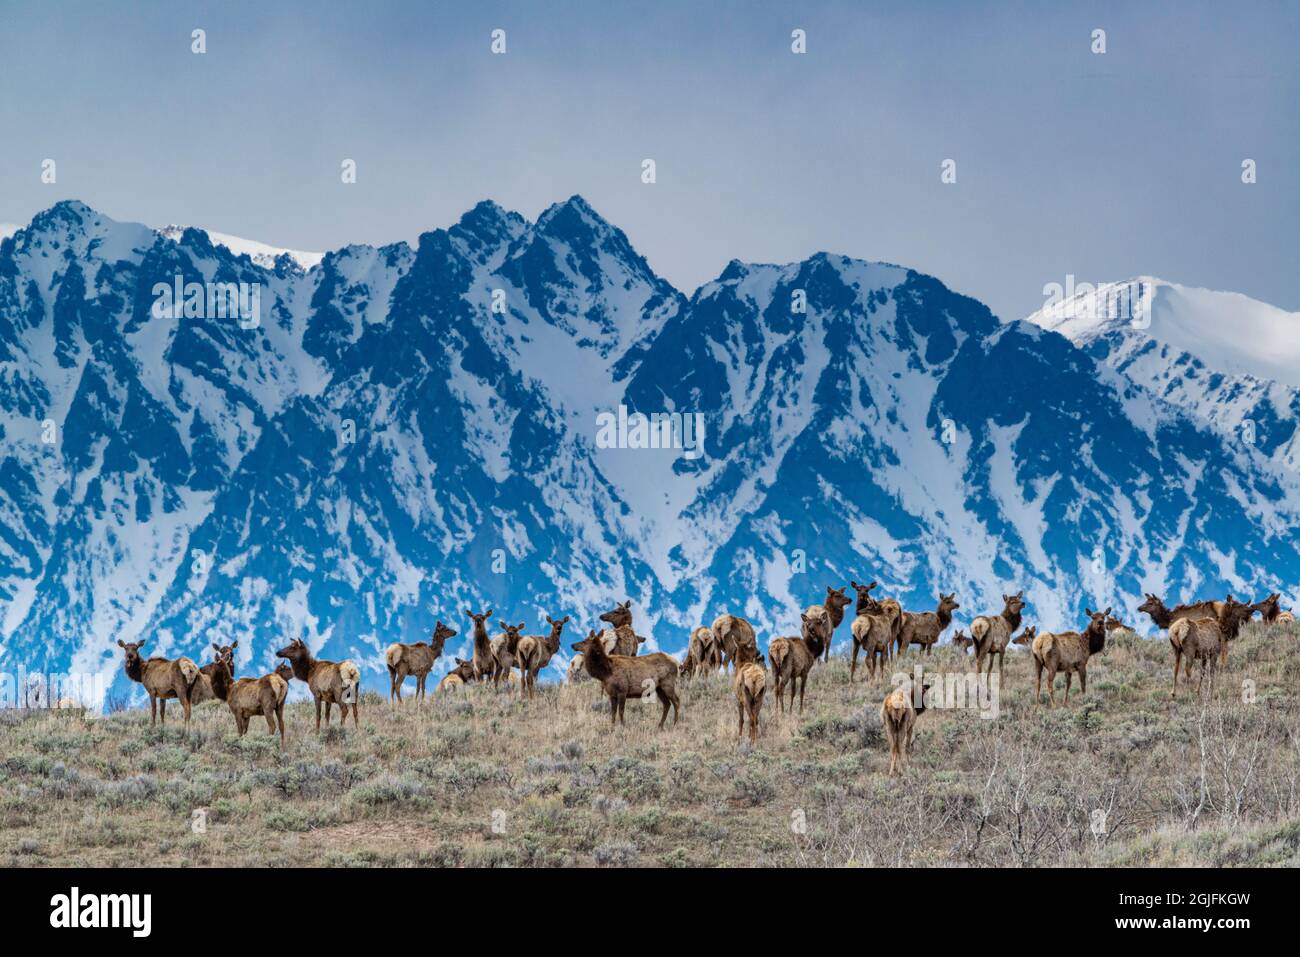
(1006, 597)
(120, 643)
(1108, 610)
(563, 621)
(522, 626)
(216, 647)
(488, 613)
(1088, 611)
(854, 585)
(234, 644)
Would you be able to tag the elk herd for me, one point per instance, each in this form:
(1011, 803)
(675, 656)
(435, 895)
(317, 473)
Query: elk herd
(610, 656)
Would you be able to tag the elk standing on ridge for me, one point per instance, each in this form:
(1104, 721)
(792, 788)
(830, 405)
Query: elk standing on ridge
(249, 697)
(414, 659)
(730, 632)
(504, 646)
(750, 686)
(163, 678)
(1206, 639)
(621, 676)
(792, 659)
(1067, 651)
(208, 687)
(484, 663)
(334, 683)
(873, 632)
(535, 652)
(992, 633)
(926, 627)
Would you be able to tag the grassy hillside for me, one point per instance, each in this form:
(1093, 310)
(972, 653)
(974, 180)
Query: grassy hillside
(482, 779)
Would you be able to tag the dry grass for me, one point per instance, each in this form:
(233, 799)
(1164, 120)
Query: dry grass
(481, 779)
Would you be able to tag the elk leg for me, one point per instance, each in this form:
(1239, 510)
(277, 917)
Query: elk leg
(1083, 680)
(153, 711)
(853, 667)
(1178, 657)
(613, 710)
(803, 686)
(740, 719)
(162, 710)
(1069, 677)
(317, 699)
(279, 714)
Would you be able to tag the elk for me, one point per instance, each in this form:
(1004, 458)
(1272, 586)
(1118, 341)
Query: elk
(925, 628)
(1269, 608)
(621, 639)
(163, 678)
(865, 600)
(1164, 617)
(484, 663)
(1067, 651)
(792, 659)
(334, 683)
(209, 687)
(898, 714)
(730, 632)
(637, 676)
(826, 617)
(992, 632)
(963, 642)
(504, 646)
(1206, 639)
(248, 697)
(873, 632)
(535, 652)
(750, 686)
(458, 677)
(892, 611)
(703, 653)
(1284, 618)
(414, 659)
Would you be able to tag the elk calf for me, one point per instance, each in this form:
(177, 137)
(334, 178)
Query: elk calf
(621, 676)
(162, 678)
(331, 683)
(504, 647)
(414, 659)
(873, 632)
(750, 686)
(1206, 639)
(249, 697)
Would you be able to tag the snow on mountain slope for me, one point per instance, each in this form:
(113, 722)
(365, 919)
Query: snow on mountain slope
(262, 254)
(1231, 361)
(408, 432)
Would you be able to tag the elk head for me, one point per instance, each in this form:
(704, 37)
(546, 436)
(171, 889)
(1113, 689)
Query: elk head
(131, 653)
(963, 641)
(480, 621)
(1014, 604)
(441, 633)
(557, 626)
(296, 651)
(1026, 637)
(619, 615)
(836, 599)
(948, 603)
(226, 653)
(512, 634)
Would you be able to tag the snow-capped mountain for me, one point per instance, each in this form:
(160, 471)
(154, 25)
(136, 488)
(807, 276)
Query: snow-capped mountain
(261, 254)
(407, 432)
(1231, 361)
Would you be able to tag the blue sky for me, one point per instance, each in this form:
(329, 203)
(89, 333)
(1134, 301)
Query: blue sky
(1067, 162)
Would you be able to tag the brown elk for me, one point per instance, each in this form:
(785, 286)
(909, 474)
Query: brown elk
(331, 683)
(249, 697)
(826, 617)
(703, 652)
(504, 647)
(416, 659)
(1284, 618)
(535, 652)
(963, 642)
(730, 632)
(792, 659)
(163, 679)
(1206, 639)
(1269, 608)
(1164, 616)
(458, 677)
(209, 686)
(993, 632)
(621, 676)
(620, 639)
(873, 632)
(924, 628)
(865, 600)
(750, 686)
(898, 714)
(484, 663)
(1067, 651)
